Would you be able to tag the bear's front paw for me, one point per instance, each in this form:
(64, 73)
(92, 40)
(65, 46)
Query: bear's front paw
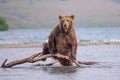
(73, 58)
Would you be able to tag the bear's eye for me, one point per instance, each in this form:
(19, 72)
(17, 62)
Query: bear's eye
(63, 20)
(68, 20)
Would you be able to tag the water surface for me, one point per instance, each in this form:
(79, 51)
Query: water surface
(107, 69)
(41, 35)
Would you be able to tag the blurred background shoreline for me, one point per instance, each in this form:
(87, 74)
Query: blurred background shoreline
(36, 37)
(44, 13)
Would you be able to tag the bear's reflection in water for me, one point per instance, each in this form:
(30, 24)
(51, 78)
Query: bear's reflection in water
(62, 69)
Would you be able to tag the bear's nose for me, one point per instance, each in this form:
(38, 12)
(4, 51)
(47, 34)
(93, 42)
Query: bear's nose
(65, 26)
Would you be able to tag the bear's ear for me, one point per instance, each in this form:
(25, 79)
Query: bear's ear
(60, 17)
(72, 16)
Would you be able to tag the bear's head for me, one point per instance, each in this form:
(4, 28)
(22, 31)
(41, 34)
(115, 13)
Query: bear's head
(66, 23)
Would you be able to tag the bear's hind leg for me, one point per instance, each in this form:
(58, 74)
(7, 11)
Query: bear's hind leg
(45, 50)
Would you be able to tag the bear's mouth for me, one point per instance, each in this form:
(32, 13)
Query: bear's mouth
(65, 29)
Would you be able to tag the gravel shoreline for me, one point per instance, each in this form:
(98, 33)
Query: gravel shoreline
(39, 44)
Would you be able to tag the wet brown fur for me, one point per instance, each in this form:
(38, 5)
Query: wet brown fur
(62, 41)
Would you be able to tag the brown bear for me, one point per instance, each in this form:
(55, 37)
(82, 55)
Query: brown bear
(62, 40)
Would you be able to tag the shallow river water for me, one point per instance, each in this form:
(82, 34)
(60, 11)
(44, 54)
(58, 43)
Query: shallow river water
(107, 69)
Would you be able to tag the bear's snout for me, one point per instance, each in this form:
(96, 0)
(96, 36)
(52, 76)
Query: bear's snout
(65, 24)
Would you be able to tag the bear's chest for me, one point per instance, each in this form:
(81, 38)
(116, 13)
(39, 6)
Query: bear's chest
(63, 42)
